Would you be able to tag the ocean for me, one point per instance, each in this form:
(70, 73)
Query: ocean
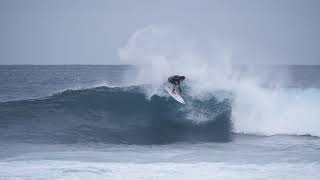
(96, 122)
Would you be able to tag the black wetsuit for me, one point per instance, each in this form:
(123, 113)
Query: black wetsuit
(176, 81)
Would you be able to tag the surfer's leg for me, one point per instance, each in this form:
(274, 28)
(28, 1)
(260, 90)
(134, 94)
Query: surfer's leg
(175, 84)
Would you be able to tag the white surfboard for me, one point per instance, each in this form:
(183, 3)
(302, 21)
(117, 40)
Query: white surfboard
(175, 95)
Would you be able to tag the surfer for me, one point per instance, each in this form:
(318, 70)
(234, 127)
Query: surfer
(175, 80)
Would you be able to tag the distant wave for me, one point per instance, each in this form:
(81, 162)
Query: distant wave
(114, 115)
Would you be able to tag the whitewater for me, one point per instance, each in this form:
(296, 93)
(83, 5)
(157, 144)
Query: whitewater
(264, 102)
(116, 122)
(98, 129)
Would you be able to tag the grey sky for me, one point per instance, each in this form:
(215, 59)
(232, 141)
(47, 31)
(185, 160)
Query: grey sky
(92, 31)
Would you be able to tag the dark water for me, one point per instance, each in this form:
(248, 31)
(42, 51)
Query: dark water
(115, 115)
(98, 114)
(31, 81)
(72, 104)
(85, 122)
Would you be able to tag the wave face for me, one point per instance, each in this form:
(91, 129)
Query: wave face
(114, 115)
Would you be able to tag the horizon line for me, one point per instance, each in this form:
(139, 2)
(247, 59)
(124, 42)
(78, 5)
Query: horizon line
(135, 65)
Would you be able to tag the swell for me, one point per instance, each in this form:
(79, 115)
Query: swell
(114, 115)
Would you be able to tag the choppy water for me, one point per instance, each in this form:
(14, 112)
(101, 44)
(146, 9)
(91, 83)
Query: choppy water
(86, 122)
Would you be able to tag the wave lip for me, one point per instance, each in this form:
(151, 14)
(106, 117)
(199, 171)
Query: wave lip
(114, 115)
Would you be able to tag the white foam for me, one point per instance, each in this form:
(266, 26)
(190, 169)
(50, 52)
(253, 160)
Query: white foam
(74, 170)
(281, 111)
(160, 52)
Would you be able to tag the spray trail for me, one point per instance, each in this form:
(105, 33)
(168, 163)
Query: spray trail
(162, 51)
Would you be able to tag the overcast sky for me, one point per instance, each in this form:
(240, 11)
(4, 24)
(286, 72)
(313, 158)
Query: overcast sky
(92, 31)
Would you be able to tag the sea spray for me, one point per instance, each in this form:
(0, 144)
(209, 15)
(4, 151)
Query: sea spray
(161, 51)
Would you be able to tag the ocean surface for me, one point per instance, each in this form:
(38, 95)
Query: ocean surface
(95, 122)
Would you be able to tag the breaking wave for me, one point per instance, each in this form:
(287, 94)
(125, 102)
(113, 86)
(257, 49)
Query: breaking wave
(114, 115)
(263, 102)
